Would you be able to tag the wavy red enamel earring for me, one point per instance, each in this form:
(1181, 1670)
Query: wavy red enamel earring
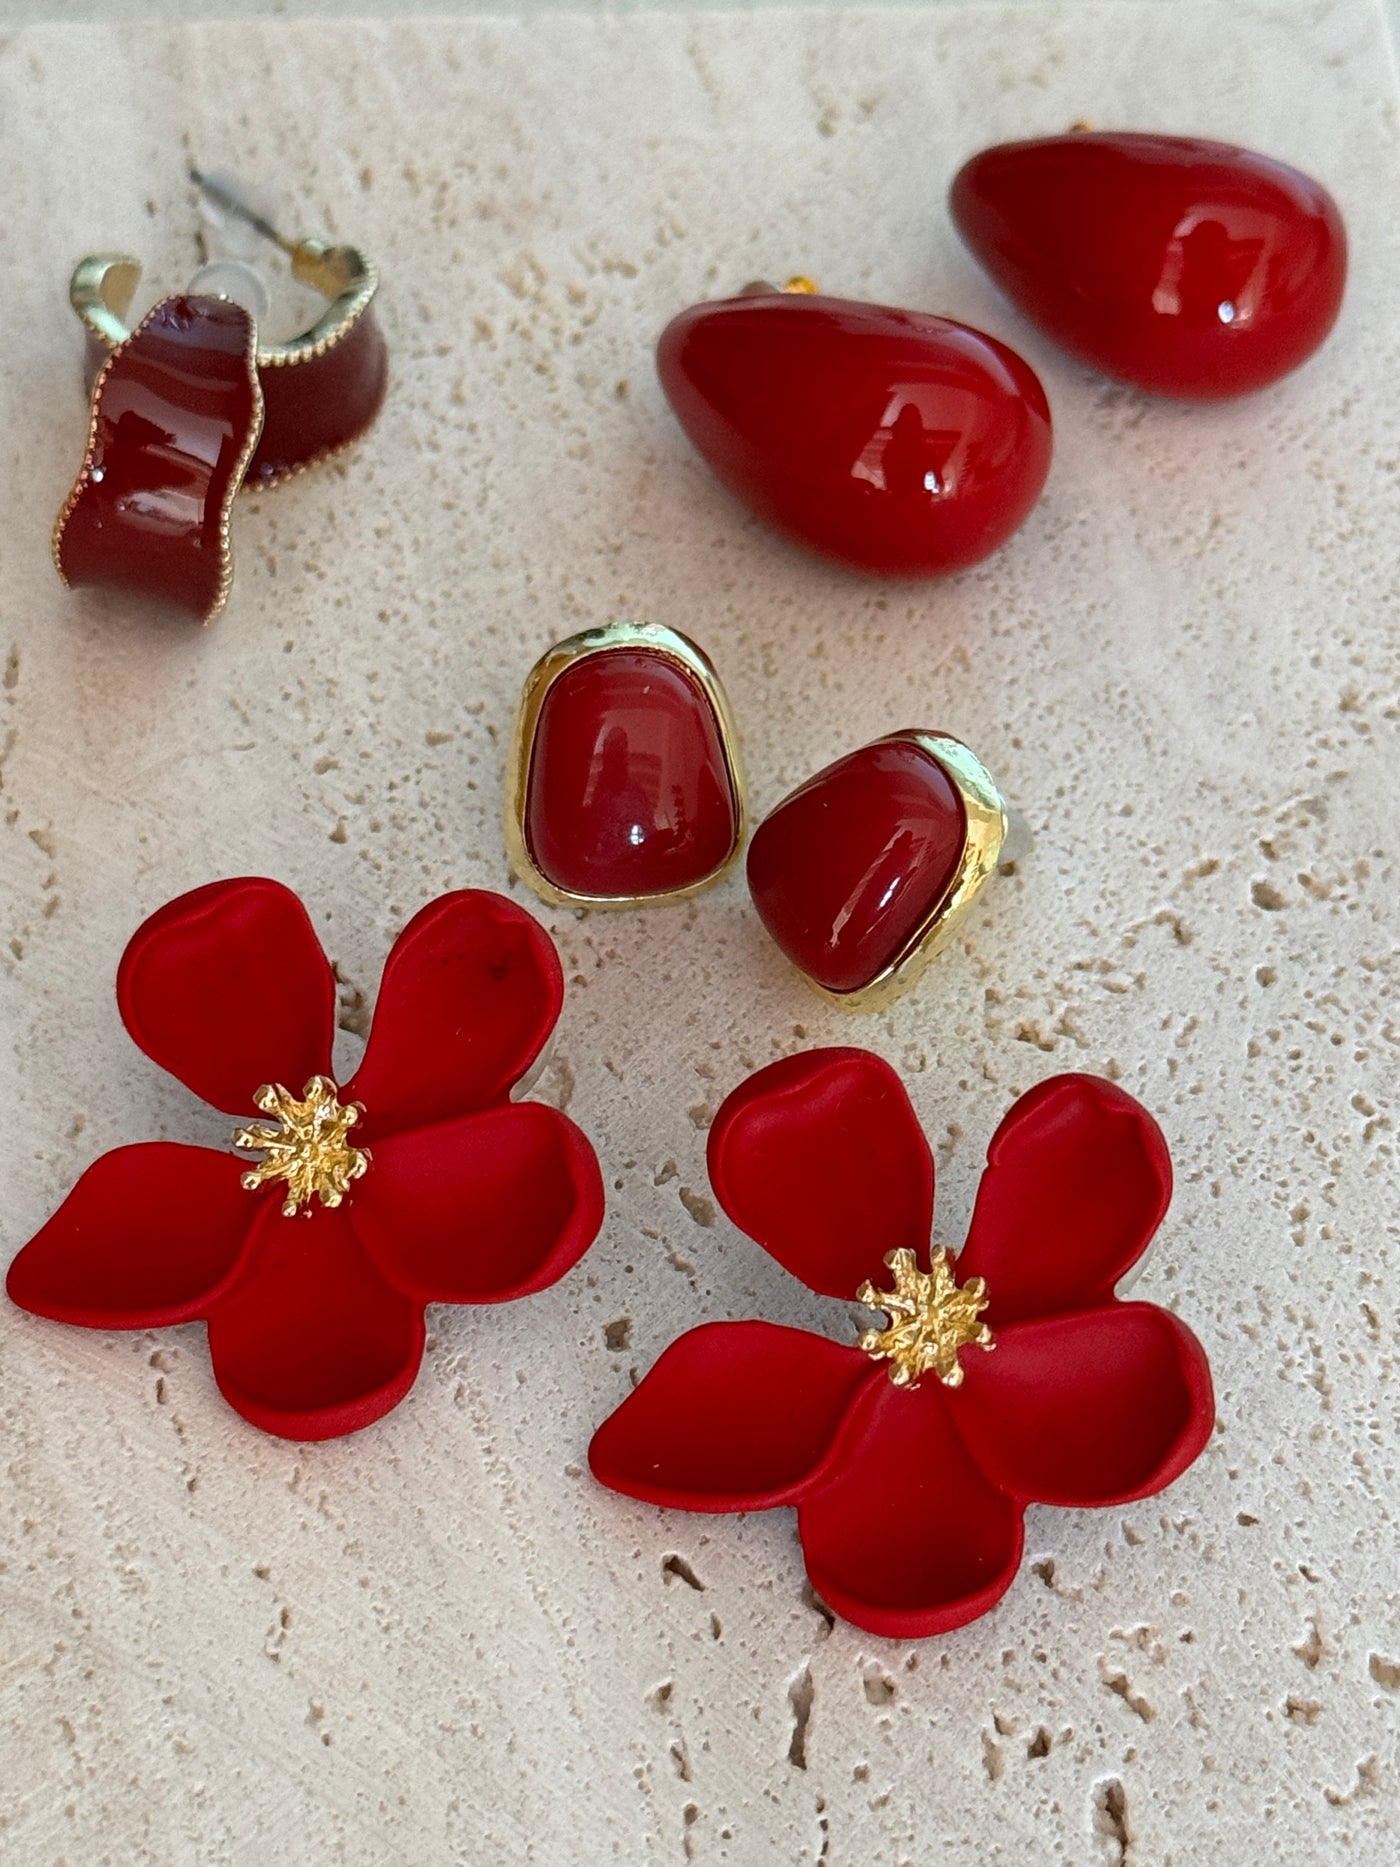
(625, 787)
(192, 404)
(420, 1181)
(899, 443)
(1188, 268)
(1010, 1374)
(864, 873)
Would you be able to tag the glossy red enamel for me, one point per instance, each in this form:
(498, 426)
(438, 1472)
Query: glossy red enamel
(629, 791)
(896, 442)
(176, 411)
(848, 868)
(318, 406)
(1186, 267)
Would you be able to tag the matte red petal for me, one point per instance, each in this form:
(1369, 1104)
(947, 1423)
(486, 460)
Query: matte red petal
(312, 1342)
(470, 993)
(1078, 1178)
(734, 1416)
(1098, 1408)
(908, 1537)
(227, 988)
(147, 1236)
(483, 1209)
(821, 1160)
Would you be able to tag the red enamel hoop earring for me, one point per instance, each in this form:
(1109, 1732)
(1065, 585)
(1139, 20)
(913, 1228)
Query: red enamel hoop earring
(194, 403)
(901, 444)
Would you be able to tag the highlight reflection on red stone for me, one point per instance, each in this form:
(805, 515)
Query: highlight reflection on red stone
(176, 412)
(849, 867)
(629, 791)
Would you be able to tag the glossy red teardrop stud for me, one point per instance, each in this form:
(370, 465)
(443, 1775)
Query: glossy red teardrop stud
(899, 443)
(192, 404)
(864, 872)
(1185, 267)
(625, 785)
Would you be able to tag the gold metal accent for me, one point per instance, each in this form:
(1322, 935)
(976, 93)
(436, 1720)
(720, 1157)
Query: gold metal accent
(235, 480)
(694, 662)
(930, 1318)
(307, 1145)
(764, 288)
(988, 821)
(102, 286)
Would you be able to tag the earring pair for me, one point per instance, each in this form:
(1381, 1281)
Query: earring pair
(195, 401)
(908, 445)
(626, 789)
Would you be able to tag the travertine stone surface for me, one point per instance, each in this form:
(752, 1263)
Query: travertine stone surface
(439, 1642)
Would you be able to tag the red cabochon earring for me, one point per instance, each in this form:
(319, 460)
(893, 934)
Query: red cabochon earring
(196, 401)
(625, 786)
(1008, 1374)
(901, 444)
(1188, 268)
(865, 872)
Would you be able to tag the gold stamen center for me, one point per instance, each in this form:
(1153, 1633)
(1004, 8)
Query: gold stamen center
(930, 1319)
(306, 1144)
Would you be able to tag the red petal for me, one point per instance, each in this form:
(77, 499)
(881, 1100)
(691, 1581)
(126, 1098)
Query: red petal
(227, 988)
(1099, 1408)
(147, 1236)
(908, 1538)
(312, 1342)
(734, 1416)
(1078, 1177)
(470, 992)
(482, 1209)
(820, 1159)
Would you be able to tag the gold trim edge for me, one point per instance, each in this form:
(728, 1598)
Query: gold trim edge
(103, 285)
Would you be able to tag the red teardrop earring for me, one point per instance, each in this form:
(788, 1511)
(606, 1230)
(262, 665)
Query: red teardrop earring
(1188, 268)
(899, 443)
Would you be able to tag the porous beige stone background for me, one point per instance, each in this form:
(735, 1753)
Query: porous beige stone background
(439, 1642)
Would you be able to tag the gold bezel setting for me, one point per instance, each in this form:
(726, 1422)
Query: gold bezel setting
(696, 664)
(987, 823)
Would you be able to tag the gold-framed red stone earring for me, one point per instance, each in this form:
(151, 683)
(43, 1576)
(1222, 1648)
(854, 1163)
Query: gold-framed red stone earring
(864, 873)
(626, 787)
(195, 402)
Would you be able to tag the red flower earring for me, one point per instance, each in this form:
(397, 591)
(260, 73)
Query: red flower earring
(866, 871)
(625, 786)
(193, 404)
(1186, 267)
(418, 1182)
(899, 443)
(1008, 1376)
